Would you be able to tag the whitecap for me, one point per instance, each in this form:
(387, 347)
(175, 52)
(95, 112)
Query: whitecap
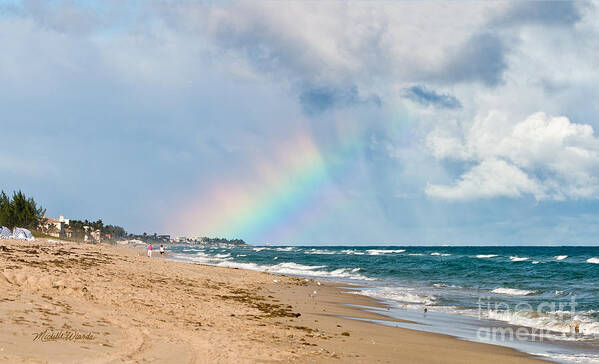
(319, 251)
(482, 256)
(352, 252)
(287, 249)
(384, 251)
(518, 259)
(513, 291)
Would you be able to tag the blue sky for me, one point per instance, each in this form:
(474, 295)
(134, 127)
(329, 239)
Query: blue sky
(471, 122)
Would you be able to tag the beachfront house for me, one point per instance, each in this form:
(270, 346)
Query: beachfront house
(57, 228)
(96, 235)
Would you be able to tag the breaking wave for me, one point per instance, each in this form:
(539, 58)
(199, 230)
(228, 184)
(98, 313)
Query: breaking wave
(482, 256)
(384, 251)
(401, 295)
(319, 251)
(513, 291)
(558, 321)
(290, 268)
(287, 249)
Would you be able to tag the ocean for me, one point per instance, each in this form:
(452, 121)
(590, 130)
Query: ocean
(540, 300)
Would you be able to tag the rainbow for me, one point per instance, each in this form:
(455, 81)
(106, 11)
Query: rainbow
(291, 189)
(286, 184)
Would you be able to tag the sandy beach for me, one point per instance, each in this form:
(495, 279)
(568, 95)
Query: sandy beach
(75, 303)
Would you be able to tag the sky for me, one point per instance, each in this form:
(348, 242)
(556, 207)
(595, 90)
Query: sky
(307, 122)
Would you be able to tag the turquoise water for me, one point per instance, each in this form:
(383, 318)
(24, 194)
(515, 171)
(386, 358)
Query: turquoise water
(553, 289)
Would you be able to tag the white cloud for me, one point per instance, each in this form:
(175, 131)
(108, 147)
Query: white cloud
(340, 43)
(547, 157)
(490, 178)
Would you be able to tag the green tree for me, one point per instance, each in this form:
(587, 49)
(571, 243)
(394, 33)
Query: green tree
(4, 209)
(20, 211)
(114, 231)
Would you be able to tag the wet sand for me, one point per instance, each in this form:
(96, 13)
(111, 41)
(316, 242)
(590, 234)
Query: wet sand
(73, 303)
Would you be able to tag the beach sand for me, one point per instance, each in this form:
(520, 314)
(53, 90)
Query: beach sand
(79, 303)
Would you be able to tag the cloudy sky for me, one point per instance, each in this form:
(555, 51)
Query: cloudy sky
(318, 122)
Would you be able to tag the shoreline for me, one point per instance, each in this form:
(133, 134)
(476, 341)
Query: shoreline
(369, 309)
(136, 309)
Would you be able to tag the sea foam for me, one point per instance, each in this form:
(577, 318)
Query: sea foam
(513, 291)
(384, 251)
(224, 260)
(399, 294)
(482, 256)
(558, 321)
(319, 251)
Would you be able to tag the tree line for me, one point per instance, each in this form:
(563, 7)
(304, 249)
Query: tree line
(20, 211)
(115, 231)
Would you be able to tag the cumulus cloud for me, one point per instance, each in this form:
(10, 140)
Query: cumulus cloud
(338, 45)
(543, 156)
(490, 178)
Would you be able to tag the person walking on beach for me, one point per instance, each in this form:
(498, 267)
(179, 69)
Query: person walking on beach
(161, 250)
(150, 250)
